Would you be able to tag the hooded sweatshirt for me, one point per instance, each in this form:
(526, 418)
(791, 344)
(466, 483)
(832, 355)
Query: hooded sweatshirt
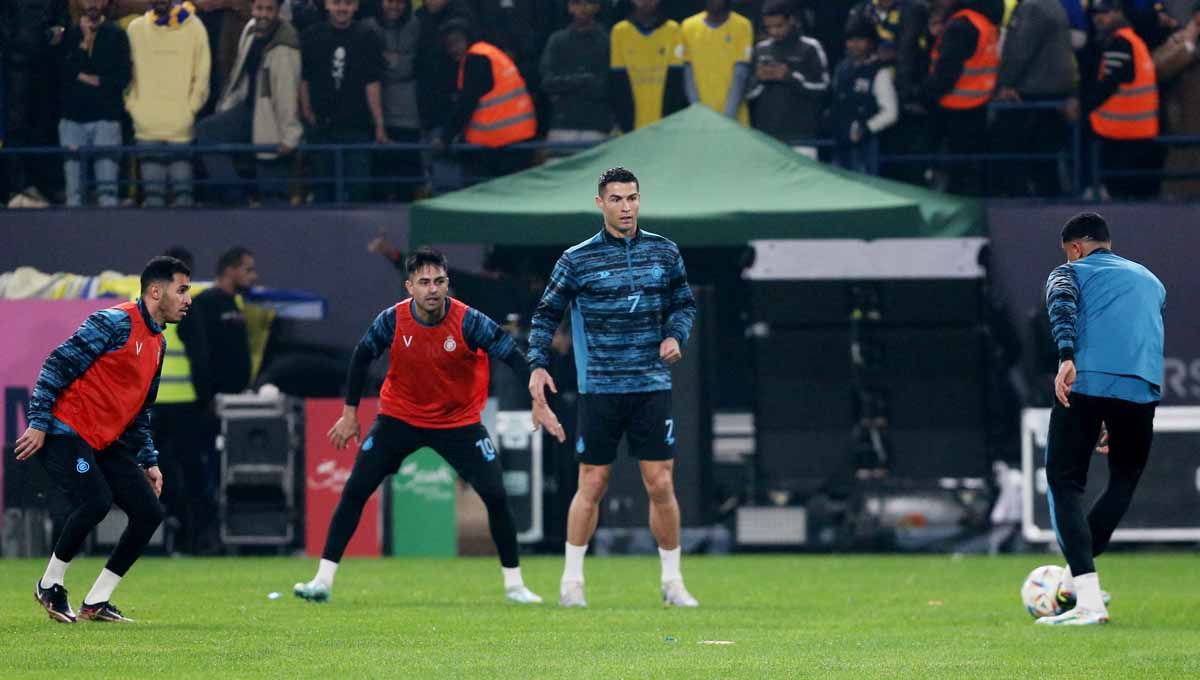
(171, 66)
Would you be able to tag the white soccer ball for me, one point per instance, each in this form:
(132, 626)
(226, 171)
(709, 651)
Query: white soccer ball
(1041, 590)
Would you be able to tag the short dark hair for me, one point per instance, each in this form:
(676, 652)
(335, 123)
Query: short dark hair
(778, 8)
(232, 258)
(617, 174)
(163, 268)
(1087, 225)
(425, 257)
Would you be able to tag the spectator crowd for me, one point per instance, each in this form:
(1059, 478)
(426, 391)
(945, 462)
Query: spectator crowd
(402, 85)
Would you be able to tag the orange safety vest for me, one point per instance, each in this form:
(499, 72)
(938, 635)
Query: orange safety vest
(505, 114)
(978, 79)
(103, 402)
(1132, 111)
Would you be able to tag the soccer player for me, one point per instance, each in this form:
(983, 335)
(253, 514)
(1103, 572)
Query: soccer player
(435, 390)
(1106, 314)
(90, 419)
(631, 313)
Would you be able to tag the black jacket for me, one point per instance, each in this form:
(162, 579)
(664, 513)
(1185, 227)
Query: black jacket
(477, 81)
(109, 60)
(437, 75)
(217, 345)
(790, 109)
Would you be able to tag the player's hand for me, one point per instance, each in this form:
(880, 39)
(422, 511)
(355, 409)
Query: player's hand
(1063, 382)
(544, 417)
(539, 380)
(1102, 443)
(345, 429)
(29, 443)
(669, 351)
(154, 476)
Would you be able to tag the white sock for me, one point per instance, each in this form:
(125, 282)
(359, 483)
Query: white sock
(325, 572)
(103, 589)
(1088, 594)
(512, 577)
(56, 571)
(670, 564)
(1068, 581)
(573, 570)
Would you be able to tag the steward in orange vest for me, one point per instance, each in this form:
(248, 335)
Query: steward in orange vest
(89, 417)
(970, 60)
(494, 107)
(1125, 102)
(962, 75)
(1123, 105)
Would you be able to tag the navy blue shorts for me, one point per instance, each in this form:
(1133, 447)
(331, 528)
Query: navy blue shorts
(644, 417)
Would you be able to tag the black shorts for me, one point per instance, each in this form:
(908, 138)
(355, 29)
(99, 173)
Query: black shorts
(644, 416)
(467, 449)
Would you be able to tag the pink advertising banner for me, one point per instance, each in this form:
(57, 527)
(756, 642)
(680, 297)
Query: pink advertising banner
(31, 330)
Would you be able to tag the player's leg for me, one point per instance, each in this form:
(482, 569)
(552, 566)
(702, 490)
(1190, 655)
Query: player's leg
(1071, 441)
(1130, 432)
(71, 466)
(599, 429)
(387, 444)
(471, 453)
(133, 494)
(652, 442)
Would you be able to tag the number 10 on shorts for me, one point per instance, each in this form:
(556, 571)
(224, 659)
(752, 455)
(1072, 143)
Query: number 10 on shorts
(487, 449)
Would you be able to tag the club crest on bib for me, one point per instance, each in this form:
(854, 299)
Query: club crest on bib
(449, 345)
(81, 466)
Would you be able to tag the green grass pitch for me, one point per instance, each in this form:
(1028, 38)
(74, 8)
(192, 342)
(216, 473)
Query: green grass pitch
(787, 617)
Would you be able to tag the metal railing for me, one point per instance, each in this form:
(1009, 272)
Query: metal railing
(1071, 156)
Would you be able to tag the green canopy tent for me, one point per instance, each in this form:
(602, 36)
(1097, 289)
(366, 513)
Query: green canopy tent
(706, 181)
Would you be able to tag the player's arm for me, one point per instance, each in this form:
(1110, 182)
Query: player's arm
(1062, 304)
(681, 313)
(141, 434)
(375, 342)
(481, 332)
(562, 289)
(101, 332)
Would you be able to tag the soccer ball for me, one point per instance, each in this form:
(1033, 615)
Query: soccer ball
(1042, 592)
